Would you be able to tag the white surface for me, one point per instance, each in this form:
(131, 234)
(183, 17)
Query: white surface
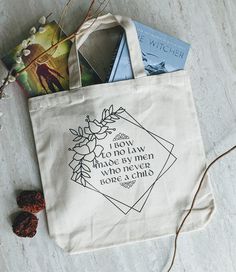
(210, 28)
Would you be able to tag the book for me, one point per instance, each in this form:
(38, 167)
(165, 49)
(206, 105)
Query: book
(50, 73)
(161, 53)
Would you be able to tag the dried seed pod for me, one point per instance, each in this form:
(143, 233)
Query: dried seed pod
(24, 43)
(41, 29)
(43, 20)
(11, 78)
(31, 201)
(19, 59)
(25, 224)
(33, 30)
(26, 52)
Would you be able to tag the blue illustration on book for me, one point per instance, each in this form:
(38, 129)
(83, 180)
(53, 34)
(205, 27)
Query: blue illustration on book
(161, 53)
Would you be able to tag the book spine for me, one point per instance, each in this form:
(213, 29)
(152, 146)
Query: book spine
(114, 57)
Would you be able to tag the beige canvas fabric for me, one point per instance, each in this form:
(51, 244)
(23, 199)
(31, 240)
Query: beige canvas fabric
(119, 162)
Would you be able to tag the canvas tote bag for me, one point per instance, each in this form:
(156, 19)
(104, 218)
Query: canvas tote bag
(119, 162)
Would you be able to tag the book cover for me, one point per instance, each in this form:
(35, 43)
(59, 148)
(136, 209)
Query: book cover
(50, 73)
(161, 53)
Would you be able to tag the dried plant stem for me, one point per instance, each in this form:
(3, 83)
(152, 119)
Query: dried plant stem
(48, 15)
(96, 12)
(63, 13)
(193, 202)
(5, 83)
(70, 37)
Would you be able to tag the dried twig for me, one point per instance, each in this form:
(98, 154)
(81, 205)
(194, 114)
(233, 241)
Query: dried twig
(70, 37)
(5, 82)
(98, 12)
(4, 85)
(63, 14)
(193, 202)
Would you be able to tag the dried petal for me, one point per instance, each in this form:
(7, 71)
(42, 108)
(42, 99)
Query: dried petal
(41, 29)
(33, 30)
(42, 20)
(26, 52)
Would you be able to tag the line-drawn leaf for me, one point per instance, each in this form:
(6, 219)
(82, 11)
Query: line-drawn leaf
(85, 174)
(106, 113)
(78, 167)
(120, 110)
(76, 139)
(86, 168)
(80, 130)
(103, 113)
(109, 121)
(78, 175)
(113, 116)
(83, 181)
(111, 109)
(73, 131)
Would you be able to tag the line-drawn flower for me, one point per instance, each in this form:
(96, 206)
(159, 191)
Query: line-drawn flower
(86, 149)
(96, 128)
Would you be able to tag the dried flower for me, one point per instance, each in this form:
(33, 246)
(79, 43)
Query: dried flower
(33, 30)
(42, 20)
(41, 29)
(26, 52)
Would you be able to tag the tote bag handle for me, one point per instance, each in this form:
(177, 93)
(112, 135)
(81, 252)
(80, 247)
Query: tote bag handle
(105, 22)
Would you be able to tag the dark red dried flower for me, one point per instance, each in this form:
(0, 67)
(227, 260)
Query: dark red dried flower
(31, 201)
(25, 224)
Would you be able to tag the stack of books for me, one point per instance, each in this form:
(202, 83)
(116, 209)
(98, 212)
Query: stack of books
(50, 73)
(161, 53)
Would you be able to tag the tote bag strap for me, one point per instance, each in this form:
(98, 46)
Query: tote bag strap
(105, 22)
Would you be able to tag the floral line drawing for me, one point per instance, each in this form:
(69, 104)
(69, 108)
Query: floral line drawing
(87, 148)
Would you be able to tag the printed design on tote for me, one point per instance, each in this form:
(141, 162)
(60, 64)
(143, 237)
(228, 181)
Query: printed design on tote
(118, 158)
(120, 136)
(87, 147)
